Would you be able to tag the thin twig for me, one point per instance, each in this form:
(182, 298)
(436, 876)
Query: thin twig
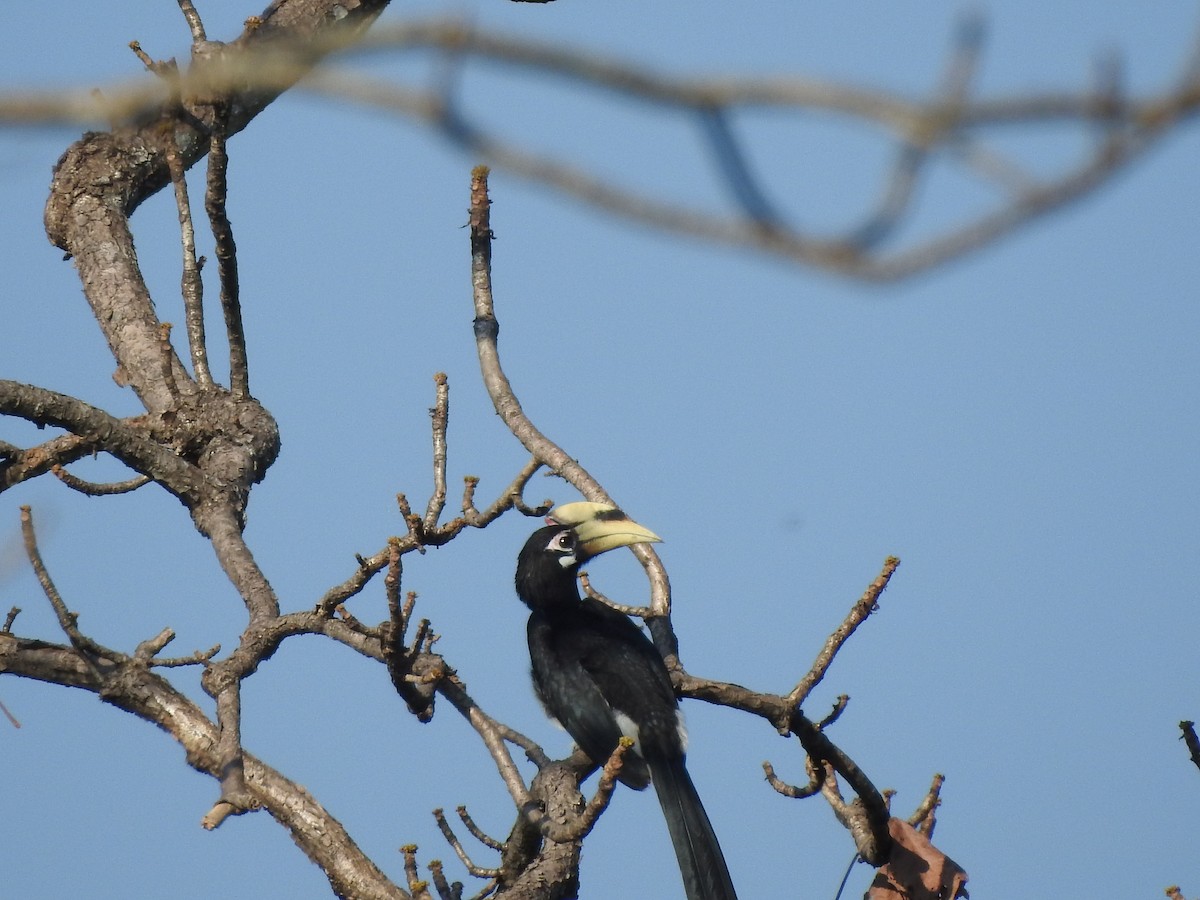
(225, 249)
(487, 330)
(13, 720)
(492, 734)
(857, 615)
(440, 414)
(367, 569)
(21, 465)
(191, 284)
(924, 817)
(199, 658)
(476, 832)
(459, 850)
(839, 706)
(66, 619)
(93, 489)
(124, 439)
(790, 790)
(641, 612)
(512, 497)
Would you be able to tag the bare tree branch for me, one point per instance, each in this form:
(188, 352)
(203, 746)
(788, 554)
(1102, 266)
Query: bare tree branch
(487, 332)
(440, 414)
(456, 845)
(191, 284)
(107, 172)
(946, 127)
(127, 440)
(129, 685)
(92, 489)
(226, 253)
(867, 604)
(950, 128)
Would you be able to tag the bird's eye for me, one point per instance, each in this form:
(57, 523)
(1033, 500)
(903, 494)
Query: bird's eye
(563, 542)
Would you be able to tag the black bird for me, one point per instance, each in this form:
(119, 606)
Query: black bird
(600, 676)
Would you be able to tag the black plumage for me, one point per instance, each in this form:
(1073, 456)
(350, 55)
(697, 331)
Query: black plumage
(600, 676)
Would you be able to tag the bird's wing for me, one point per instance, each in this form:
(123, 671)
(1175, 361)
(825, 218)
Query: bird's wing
(628, 671)
(570, 693)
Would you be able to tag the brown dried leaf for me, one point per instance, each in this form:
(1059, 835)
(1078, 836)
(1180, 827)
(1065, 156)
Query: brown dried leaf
(916, 870)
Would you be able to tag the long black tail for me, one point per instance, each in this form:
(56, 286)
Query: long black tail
(705, 875)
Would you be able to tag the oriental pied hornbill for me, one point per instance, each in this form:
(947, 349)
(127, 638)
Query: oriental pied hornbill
(599, 675)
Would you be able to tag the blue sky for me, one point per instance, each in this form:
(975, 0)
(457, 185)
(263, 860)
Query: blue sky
(1019, 427)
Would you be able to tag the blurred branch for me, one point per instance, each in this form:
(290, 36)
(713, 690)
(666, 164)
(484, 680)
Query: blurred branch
(874, 249)
(951, 128)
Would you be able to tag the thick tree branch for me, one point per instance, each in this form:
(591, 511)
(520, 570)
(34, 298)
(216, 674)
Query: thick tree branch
(127, 440)
(129, 685)
(18, 465)
(102, 179)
